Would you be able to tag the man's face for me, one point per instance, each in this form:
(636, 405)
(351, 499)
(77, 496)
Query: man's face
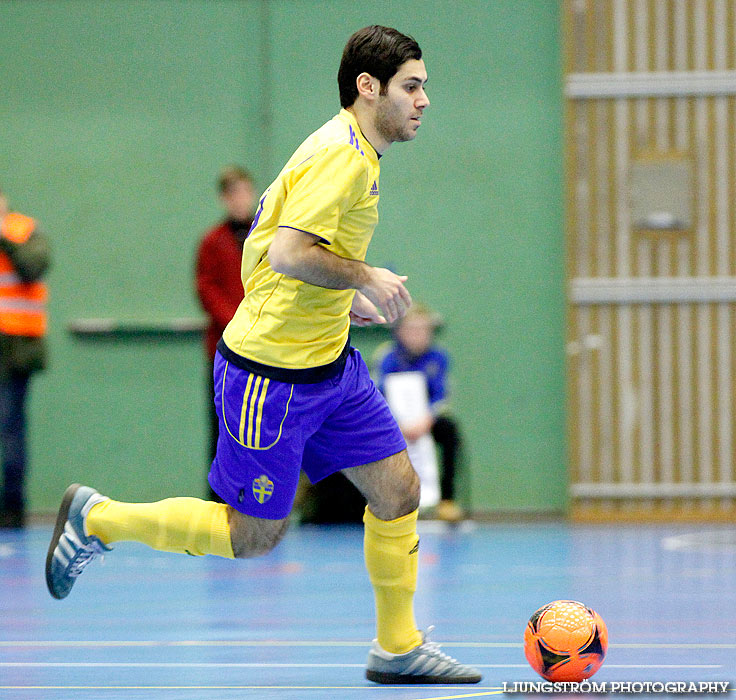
(239, 200)
(416, 333)
(399, 112)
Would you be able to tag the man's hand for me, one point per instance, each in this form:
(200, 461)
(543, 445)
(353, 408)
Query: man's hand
(416, 430)
(299, 254)
(387, 291)
(364, 311)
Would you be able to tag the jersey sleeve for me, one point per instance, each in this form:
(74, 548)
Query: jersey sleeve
(322, 188)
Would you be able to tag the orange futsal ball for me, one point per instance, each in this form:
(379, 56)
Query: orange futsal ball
(565, 641)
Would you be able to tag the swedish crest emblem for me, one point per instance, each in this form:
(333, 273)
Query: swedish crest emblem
(262, 488)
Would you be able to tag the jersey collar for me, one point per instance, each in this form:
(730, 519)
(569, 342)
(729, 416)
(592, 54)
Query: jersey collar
(349, 117)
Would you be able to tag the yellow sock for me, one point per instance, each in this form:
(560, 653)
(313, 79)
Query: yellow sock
(391, 550)
(184, 525)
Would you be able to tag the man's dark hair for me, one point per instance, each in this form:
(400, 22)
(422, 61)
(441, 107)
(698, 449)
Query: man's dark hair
(378, 51)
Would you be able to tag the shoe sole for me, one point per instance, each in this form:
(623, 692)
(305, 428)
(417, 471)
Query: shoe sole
(407, 679)
(61, 519)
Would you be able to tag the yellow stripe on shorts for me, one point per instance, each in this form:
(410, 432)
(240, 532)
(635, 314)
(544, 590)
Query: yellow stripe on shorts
(251, 411)
(259, 416)
(244, 409)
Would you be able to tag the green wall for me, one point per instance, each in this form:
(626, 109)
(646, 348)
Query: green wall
(116, 118)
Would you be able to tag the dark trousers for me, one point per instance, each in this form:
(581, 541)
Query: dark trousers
(447, 436)
(13, 391)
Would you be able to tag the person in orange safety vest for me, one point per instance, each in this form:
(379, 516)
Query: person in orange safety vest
(24, 258)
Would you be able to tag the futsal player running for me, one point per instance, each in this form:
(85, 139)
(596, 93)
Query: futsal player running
(291, 393)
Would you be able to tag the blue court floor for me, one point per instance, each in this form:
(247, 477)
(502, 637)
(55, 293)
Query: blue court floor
(297, 623)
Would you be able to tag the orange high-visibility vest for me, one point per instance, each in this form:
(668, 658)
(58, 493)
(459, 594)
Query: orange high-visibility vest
(22, 304)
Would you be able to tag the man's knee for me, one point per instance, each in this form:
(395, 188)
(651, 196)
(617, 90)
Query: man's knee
(390, 486)
(400, 499)
(412, 494)
(253, 537)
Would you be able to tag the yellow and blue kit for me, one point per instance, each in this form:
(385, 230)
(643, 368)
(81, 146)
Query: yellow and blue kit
(328, 188)
(290, 392)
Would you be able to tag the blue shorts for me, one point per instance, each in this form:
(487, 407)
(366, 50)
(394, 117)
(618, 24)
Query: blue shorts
(270, 430)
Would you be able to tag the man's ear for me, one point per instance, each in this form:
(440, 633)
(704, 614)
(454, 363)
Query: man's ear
(368, 86)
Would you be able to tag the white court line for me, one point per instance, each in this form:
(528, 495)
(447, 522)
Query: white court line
(211, 664)
(372, 688)
(166, 664)
(664, 665)
(672, 645)
(325, 643)
(708, 541)
(497, 691)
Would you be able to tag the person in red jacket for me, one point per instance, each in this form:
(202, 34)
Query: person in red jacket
(219, 254)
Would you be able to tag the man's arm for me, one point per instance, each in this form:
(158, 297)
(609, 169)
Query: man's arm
(31, 258)
(215, 301)
(299, 255)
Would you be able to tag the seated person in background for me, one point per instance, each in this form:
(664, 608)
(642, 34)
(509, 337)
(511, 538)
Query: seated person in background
(413, 350)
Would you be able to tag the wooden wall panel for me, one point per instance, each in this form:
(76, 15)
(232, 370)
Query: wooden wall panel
(652, 313)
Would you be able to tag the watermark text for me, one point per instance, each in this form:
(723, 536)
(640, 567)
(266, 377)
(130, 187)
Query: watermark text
(633, 687)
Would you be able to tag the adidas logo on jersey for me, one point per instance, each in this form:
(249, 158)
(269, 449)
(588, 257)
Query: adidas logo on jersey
(374, 189)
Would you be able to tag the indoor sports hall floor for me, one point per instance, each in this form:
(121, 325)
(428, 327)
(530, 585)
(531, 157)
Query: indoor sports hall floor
(296, 624)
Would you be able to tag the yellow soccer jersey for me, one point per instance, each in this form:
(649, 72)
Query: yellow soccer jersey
(329, 188)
